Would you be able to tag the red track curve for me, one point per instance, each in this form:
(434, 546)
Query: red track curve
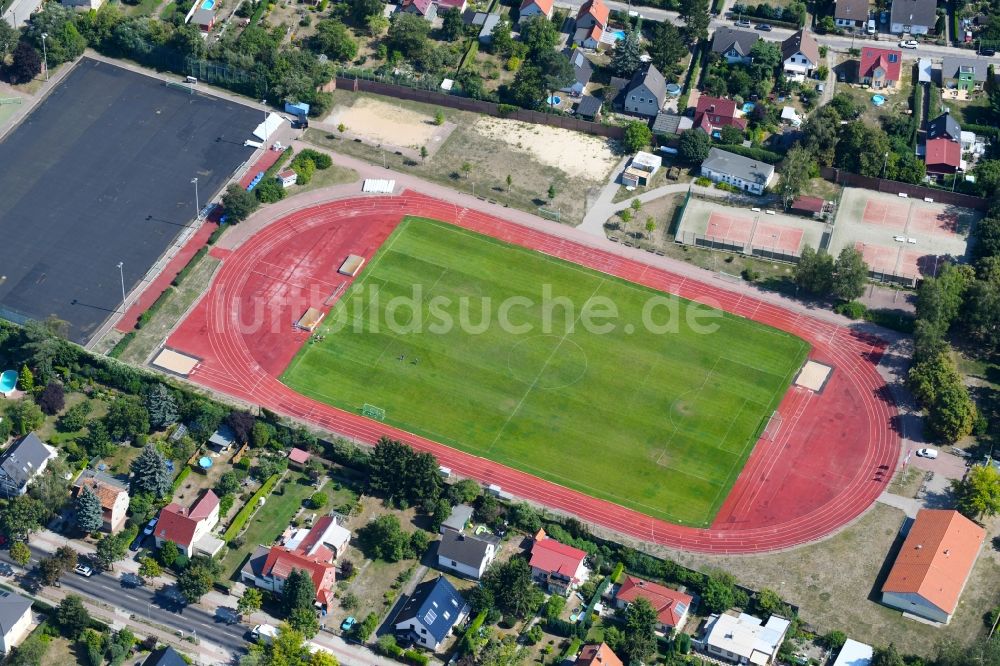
(832, 457)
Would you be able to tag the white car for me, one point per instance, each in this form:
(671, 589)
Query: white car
(150, 526)
(908, 44)
(83, 570)
(927, 453)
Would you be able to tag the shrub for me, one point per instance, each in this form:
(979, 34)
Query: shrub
(183, 273)
(244, 515)
(852, 310)
(270, 191)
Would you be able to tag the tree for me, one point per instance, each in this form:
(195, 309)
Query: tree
(113, 547)
(334, 40)
(441, 513)
(21, 516)
(862, 149)
(850, 273)
(452, 27)
(52, 399)
(766, 57)
(150, 473)
(26, 63)
(514, 593)
(127, 419)
(834, 640)
(419, 541)
(795, 173)
(20, 553)
(953, 414)
(97, 441)
(982, 304)
(241, 423)
(650, 225)
(730, 136)
(696, 18)
(640, 631)
(89, 514)
(510, 181)
(408, 34)
(404, 476)
(539, 35)
(150, 568)
(298, 592)
(238, 204)
(169, 552)
(25, 416)
(384, 539)
(814, 272)
(552, 192)
(625, 59)
(666, 49)
(557, 71)
(719, 593)
(887, 656)
(528, 87)
(524, 517)
(423, 153)
(821, 134)
(362, 10)
(303, 620)
(637, 136)
(501, 42)
(377, 25)
(72, 617)
(26, 379)
(8, 39)
(49, 571)
(694, 145)
(196, 580)
(161, 407)
(464, 491)
(250, 602)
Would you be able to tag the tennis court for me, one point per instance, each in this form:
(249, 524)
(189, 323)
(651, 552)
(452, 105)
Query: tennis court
(748, 230)
(901, 239)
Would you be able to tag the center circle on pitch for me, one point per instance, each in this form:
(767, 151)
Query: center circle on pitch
(547, 362)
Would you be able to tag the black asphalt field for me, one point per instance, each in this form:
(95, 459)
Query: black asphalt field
(100, 173)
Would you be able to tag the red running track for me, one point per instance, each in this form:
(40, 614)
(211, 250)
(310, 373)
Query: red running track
(832, 456)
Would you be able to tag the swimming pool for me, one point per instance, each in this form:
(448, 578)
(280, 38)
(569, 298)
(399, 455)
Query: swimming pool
(8, 382)
(207, 4)
(878, 100)
(748, 107)
(618, 34)
(553, 100)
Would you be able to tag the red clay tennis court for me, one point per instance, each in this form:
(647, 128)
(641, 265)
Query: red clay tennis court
(924, 221)
(832, 456)
(729, 229)
(777, 238)
(883, 213)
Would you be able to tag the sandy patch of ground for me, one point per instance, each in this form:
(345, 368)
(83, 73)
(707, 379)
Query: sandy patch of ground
(382, 123)
(577, 154)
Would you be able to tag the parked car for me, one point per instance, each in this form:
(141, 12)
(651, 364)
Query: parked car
(763, 27)
(137, 542)
(908, 44)
(927, 453)
(820, 88)
(743, 23)
(150, 526)
(870, 27)
(347, 623)
(6, 570)
(83, 570)
(988, 52)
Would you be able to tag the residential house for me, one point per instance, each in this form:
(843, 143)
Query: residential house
(459, 518)
(531, 8)
(850, 14)
(589, 108)
(467, 554)
(744, 639)
(714, 113)
(287, 178)
(425, 8)
(944, 127)
(749, 175)
(734, 46)
(443, 5)
(165, 656)
(582, 71)
(646, 92)
(486, 24)
(591, 22)
(556, 566)
(190, 529)
(642, 168)
(799, 55)
(15, 620)
(22, 462)
(202, 14)
(86, 4)
(966, 74)
(429, 614)
(588, 38)
(853, 653)
(112, 494)
(298, 458)
(879, 68)
(222, 439)
(943, 156)
(269, 568)
(934, 564)
(671, 125)
(597, 655)
(915, 17)
(671, 606)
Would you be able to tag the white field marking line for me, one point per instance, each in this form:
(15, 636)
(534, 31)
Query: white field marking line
(545, 365)
(697, 392)
(736, 458)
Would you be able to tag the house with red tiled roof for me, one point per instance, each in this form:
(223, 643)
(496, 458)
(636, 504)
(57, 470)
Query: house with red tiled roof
(556, 566)
(943, 156)
(112, 494)
(933, 565)
(425, 8)
(714, 113)
(281, 562)
(671, 606)
(190, 529)
(593, 12)
(597, 655)
(298, 457)
(531, 8)
(879, 68)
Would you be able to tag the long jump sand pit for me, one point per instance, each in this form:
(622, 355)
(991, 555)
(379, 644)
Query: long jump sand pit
(579, 155)
(378, 122)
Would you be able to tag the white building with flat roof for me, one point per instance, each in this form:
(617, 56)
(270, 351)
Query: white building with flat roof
(854, 653)
(745, 639)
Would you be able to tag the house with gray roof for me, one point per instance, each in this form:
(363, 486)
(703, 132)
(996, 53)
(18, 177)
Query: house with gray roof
(165, 656)
(429, 614)
(944, 127)
(582, 71)
(850, 13)
(22, 462)
(485, 22)
(734, 45)
(799, 55)
(589, 107)
(915, 17)
(646, 92)
(752, 176)
(467, 554)
(15, 620)
(966, 74)
(459, 518)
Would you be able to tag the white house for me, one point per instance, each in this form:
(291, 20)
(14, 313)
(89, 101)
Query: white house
(748, 175)
(15, 620)
(22, 462)
(112, 494)
(287, 178)
(641, 169)
(799, 55)
(531, 8)
(558, 567)
(429, 614)
(744, 639)
(190, 529)
(854, 653)
(467, 554)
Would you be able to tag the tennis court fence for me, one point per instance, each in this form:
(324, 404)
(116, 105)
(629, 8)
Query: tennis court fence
(729, 245)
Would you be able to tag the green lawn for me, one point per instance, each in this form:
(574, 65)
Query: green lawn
(659, 422)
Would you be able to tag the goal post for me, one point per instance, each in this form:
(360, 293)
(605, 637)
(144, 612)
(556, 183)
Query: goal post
(772, 426)
(373, 412)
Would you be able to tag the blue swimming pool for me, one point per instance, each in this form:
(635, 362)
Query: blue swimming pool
(878, 100)
(8, 382)
(553, 100)
(618, 34)
(207, 4)
(748, 107)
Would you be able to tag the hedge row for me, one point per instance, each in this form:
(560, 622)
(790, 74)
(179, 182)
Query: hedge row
(183, 273)
(122, 345)
(984, 130)
(217, 234)
(754, 153)
(180, 478)
(154, 308)
(244, 515)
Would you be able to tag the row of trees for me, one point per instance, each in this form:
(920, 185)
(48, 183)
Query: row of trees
(821, 275)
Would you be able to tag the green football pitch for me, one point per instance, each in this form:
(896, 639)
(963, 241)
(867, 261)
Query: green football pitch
(660, 422)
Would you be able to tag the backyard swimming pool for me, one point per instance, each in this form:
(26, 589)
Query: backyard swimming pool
(8, 382)
(207, 4)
